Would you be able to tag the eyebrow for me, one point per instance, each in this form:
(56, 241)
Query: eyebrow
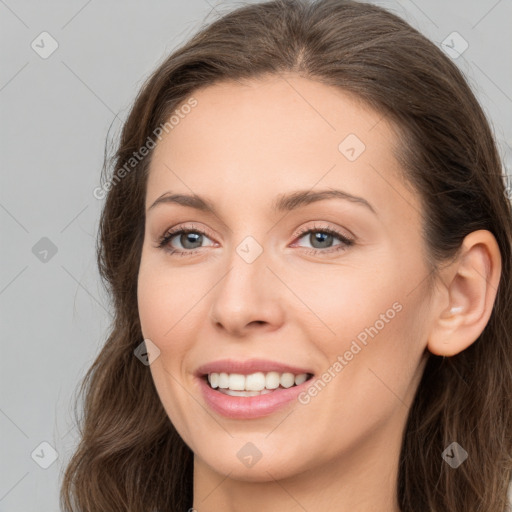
(284, 202)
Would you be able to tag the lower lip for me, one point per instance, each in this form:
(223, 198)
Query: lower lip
(247, 407)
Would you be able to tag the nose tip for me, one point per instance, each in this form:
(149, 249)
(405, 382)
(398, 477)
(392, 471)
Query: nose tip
(247, 297)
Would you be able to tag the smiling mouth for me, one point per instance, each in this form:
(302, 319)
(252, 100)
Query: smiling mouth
(254, 384)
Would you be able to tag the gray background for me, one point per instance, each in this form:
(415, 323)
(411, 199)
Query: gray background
(56, 113)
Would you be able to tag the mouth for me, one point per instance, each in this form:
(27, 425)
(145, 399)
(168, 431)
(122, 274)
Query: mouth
(251, 389)
(254, 384)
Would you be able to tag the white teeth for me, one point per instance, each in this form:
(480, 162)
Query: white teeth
(299, 379)
(254, 382)
(214, 380)
(272, 380)
(223, 380)
(236, 382)
(287, 380)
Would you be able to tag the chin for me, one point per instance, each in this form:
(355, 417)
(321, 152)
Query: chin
(255, 461)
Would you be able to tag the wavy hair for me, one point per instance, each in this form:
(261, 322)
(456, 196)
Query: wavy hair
(130, 457)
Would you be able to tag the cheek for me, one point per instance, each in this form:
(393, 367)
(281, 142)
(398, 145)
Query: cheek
(165, 313)
(383, 356)
(155, 302)
(375, 325)
(342, 300)
(167, 300)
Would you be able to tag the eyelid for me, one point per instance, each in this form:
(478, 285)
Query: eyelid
(326, 228)
(188, 226)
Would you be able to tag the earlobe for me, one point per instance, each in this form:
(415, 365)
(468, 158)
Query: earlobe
(466, 296)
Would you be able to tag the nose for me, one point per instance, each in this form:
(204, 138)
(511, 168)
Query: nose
(249, 296)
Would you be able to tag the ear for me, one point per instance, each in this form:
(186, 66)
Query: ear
(464, 304)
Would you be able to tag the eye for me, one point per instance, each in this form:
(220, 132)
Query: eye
(321, 239)
(190, 240)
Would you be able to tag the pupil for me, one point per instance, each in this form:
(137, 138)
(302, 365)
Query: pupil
(317, 237)
(186, 237)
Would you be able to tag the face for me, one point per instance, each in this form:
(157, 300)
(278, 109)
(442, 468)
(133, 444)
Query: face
(283, 276)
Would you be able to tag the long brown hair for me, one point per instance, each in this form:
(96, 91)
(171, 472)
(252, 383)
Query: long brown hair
(130, 456)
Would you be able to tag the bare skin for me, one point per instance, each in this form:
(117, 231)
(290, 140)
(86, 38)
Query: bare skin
(241, 147)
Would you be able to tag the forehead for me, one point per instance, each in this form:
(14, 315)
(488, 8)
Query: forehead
(282, 132)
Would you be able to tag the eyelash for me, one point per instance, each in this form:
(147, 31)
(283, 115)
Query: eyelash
(165, 239)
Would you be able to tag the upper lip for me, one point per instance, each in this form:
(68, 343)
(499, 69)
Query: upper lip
(249, 366)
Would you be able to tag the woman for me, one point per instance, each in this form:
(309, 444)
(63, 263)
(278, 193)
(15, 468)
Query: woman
(308, 227)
